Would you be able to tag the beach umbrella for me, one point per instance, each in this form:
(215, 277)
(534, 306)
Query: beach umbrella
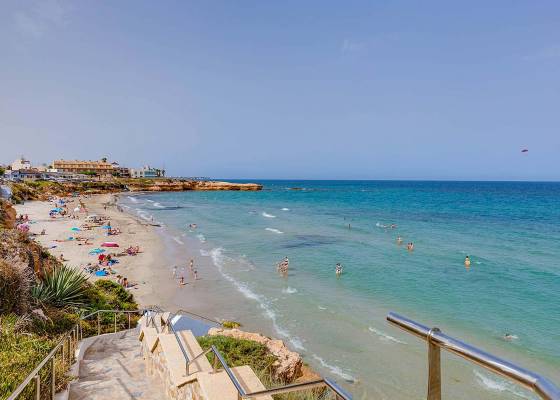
(77, 209)
(57, 209)
(101, 273)
(75, 229)
(96, 251)
(106, 227)
(109, 244)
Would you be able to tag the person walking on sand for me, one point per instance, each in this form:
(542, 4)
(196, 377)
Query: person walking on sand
(191, 265)
(175, 271)
(182, 281)
(195, 273)
(467, 262)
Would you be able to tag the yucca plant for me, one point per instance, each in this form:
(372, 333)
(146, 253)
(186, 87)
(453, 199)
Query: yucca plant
(63, 287)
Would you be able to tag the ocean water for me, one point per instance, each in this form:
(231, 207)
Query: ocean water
(511, 232)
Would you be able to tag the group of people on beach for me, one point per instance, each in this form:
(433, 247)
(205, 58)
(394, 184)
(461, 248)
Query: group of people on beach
(192, 269)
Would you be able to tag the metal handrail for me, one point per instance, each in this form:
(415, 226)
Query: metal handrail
(69, 340)
(438, 340)
(340, 393)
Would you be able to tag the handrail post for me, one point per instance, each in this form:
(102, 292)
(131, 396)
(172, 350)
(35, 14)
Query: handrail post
(53, 376)
(434, 367)
(215, 366)
(69, 342)
(98, 323)
(115, 314)
(128, 321)
(38, 387)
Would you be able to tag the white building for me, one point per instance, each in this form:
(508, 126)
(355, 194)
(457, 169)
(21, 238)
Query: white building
(147, 172)
(21, 163)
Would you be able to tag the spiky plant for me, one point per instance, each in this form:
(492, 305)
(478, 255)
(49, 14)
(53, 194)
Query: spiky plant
(63, 287)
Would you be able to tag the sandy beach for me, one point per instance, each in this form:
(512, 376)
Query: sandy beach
(147, 271)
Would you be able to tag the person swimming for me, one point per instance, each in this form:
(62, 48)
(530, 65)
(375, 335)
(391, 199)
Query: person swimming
(467, 262)
(399, 240)
(410, 246)
(338, 269)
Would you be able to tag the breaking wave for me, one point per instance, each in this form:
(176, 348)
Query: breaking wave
(383, 336)
(273, 230)
(219, 259)
(335, 369)
(264, 214)
(500, 385)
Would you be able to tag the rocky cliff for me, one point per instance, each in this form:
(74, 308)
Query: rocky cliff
(41, 190)
(287, 367)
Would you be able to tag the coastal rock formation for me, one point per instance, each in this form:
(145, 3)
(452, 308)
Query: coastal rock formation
(7, 215)
(288, 366)
(41, 190)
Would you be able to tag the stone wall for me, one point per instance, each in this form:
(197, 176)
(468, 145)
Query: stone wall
(156, 364)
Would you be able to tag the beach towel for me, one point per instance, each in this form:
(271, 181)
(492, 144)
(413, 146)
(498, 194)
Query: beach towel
(96, 251)
(101, 273)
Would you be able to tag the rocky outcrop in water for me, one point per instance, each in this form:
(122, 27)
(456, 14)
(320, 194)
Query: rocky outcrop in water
(288, 366)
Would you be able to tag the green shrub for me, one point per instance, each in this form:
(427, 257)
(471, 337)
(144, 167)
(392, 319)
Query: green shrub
(19, 355)
(62, 287)
(238, 352)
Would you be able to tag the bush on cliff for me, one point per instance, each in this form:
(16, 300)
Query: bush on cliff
(238, 352)
(16, 279)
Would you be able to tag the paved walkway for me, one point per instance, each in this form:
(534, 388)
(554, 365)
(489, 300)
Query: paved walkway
(112, 368)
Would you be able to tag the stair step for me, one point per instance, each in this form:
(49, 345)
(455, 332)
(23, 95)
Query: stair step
(218, 386)
(193, 349)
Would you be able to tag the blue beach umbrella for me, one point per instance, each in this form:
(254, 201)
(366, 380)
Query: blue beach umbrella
(75, 229)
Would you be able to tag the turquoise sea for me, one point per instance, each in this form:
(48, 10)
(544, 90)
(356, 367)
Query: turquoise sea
(511, 232)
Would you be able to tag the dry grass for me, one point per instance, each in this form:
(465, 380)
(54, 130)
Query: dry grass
(16, 279)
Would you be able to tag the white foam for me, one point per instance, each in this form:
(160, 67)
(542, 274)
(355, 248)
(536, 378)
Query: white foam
(125, 206)
(151, 201)
(264, 214)
(158, 205)
(384, 337)
(335, 369)
(285, 209)
(204, 253)
(133, 199)
(321, 308)
(218, 258)
(273, 230)
(201, 237)
(289, 290)
(500, 385)
(178, 240)
(379, 225)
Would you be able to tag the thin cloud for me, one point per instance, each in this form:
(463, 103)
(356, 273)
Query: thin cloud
(351, 46)
(41, 17)
(545, 53)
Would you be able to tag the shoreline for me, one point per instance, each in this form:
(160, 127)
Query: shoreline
(143, 269)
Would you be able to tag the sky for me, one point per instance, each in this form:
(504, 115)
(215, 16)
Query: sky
(286, 89)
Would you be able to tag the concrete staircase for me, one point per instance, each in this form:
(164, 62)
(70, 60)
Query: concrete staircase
(147, 363)
(164, 358)
(112, 368)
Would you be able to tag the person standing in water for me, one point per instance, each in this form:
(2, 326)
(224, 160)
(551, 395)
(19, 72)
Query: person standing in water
(467, 262)
(399, 240)
(338, 269)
